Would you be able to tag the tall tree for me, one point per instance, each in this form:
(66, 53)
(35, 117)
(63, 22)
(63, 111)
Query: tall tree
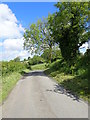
(69, 27)
(38, 37)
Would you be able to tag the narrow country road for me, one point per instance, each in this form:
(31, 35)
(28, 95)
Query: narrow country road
(37, 96)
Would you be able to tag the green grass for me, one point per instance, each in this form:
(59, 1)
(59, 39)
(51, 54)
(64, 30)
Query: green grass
(0, 89)
(26, 70)
(76, 83)
(38, 67)
(8, 82)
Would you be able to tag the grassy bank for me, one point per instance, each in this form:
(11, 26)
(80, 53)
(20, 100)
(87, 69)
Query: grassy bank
(8, 82)
(73, 79)
(38, 67)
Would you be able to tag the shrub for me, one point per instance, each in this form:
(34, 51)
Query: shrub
(9, 67)
(36, 60)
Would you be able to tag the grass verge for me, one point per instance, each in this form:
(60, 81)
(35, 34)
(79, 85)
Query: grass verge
(77, 84)
(8, 82)
(38, 67)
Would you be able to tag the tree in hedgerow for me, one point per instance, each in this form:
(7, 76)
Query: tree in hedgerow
(38, 37)
(56, 54)
(70, 27)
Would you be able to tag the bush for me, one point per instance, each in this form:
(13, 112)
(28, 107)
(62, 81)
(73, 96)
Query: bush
(56, 54)
(36, 60)
(74, 78)
(9, 67)
(28, 66)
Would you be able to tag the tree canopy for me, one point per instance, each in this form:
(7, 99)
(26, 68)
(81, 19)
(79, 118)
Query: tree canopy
(38, 37)
(69, 27)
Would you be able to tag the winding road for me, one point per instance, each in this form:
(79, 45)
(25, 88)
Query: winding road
(38, 96)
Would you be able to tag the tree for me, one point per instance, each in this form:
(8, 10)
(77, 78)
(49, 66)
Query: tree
(69, 27)
(36, 60)
(17, 59)
(45, 55)
(56, 54)
(25, 59)
(38, 37)
(28, 58)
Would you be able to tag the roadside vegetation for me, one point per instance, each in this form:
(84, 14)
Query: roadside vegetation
(8, 82)
(38, 67)
(74, 78)
(11, 72)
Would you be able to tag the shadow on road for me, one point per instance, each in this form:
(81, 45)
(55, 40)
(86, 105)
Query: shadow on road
(33, 73)
(61, 90)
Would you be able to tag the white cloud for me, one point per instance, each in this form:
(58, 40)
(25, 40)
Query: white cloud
(83, 48)
(11, 34)
(10, 55)
(1, 43)
(13, 48)
(9, 27)
(13, 44)
(24, 54)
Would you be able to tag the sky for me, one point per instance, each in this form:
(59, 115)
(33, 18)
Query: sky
(14, 18)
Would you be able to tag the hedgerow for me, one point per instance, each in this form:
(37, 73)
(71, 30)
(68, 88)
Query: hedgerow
(9, 67)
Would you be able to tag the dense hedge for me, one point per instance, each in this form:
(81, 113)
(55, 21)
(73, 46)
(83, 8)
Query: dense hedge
(36, 60)
(9, 67)
(81, 66)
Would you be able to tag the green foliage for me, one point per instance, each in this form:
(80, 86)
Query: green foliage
(45, 55)
(9, 67)
(17, 59)
(82, 66)
(8, 83)
(38, 67)
(24, 59)
(36, 60)
(56, 54)
(28, 65)
(78, 85)
(32, 38)
(74, 78)
(61, 65)
(11, 72)
(69, 27)
(38, 37)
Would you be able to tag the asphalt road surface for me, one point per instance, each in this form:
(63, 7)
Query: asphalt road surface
(37, 96)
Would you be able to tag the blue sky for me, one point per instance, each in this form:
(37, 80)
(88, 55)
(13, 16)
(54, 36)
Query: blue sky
(30, 12)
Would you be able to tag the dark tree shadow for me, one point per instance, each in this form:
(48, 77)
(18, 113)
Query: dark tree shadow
(74, 88)
(61, 90)
(77, 85)
(33, 73)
